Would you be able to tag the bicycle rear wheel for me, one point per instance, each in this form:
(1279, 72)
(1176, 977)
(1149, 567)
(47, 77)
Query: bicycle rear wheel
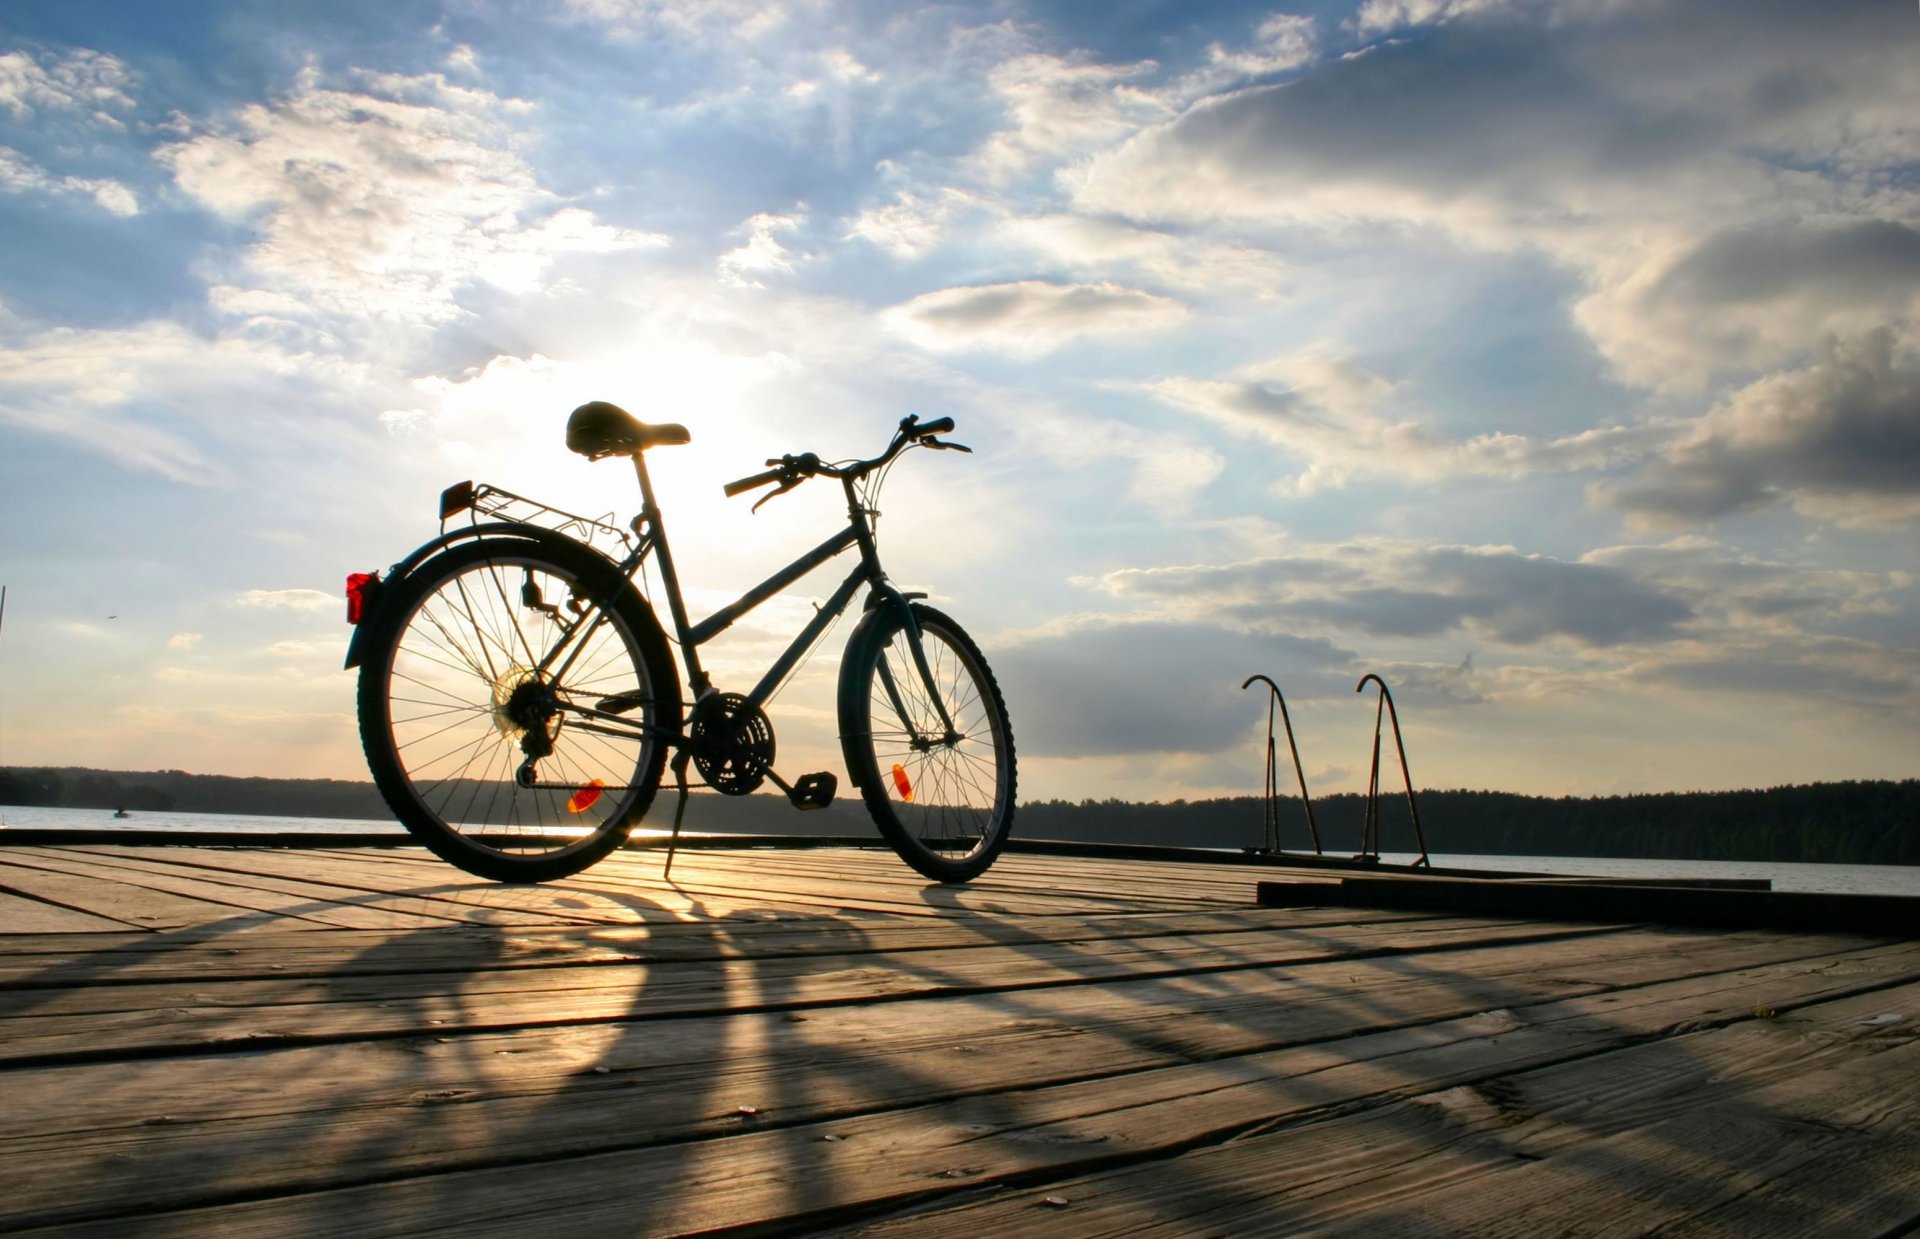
(460, 693)
(943, 799)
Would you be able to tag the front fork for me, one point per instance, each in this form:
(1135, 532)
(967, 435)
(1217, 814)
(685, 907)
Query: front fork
(919, 743)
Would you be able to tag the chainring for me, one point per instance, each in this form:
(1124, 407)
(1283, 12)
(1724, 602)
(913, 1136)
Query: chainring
(732, 744)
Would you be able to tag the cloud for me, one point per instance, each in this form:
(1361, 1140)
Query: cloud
(1061, 107)
(1405, 590)
(289, 600)
(381, 202)
(1689, 614)
(1030, 317)
(1281, 41)
(82, 81)
(1839, 439)
(159, 398)
(762, 253)
(1090, 245)
(1621, 140)
(1334, 412)
(914, 222)
(1100, 686)
(19, 175)
(183, 641)
(728, 19)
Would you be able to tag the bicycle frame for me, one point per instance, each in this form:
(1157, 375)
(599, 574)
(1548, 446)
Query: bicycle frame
(858, 533)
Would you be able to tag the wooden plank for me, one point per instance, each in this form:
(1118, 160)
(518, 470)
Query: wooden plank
(416, 875)
(694, 890)
(1896, 915)
(134, 905)
(54, 960)
(20, 914)
(288, 898)
(356, 1110)
(99, 1022)
(792, 1175)
(1446, 1161)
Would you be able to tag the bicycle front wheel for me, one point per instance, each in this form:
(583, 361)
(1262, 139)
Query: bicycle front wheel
(942, 796)
(512, 711)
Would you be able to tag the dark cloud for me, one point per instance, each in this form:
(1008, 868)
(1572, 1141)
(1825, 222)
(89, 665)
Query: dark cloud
(1405, 591)
(1845, 430)
(1867, 259)
(1782, 673)
(1102, 688)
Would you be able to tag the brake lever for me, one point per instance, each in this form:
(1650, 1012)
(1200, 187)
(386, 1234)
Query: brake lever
(775, 493)
(945, 446)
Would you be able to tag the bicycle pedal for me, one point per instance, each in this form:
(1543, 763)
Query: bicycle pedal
(813, 791)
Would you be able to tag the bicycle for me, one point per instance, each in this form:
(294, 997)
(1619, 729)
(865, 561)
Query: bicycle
(518, 696)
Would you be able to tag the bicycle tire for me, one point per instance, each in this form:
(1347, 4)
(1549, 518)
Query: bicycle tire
(444, 695)
(945, 807)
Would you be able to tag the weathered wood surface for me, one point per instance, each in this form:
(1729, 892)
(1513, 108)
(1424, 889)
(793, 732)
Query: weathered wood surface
(344, 1042)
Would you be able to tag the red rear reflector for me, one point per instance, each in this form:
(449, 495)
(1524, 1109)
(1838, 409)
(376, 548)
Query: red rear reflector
(359, 586)
(583, 799)
(904, 784)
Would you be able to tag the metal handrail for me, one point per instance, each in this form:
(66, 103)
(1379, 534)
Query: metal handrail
(1270, 814)
(1370, 824)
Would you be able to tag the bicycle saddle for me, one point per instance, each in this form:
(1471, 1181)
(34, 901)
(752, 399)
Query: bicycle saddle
(600, 429)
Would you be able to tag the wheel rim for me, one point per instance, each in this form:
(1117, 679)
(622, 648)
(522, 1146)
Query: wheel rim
(465, 699)
(945, 789)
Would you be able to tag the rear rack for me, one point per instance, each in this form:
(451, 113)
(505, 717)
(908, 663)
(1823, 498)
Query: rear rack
(488, 502)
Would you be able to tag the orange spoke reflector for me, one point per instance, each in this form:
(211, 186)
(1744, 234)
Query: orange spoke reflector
(583, 799)
(901, 781)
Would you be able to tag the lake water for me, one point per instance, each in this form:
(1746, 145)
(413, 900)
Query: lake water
(1840, 879)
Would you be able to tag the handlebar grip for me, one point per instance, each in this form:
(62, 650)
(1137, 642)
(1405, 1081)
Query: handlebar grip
(746, 484)
(938, 426)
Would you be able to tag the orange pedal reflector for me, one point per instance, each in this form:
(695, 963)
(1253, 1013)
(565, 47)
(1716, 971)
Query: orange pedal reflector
(583, 799)
(901, 781)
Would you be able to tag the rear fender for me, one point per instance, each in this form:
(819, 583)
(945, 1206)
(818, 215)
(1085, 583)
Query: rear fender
(374, 618)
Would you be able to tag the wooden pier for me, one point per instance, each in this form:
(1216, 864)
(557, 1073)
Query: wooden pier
(262, 1041)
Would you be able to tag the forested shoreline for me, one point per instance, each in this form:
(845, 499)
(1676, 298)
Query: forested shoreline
(1876, 822)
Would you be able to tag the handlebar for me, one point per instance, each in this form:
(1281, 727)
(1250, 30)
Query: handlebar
(790, 471)
(746, 484)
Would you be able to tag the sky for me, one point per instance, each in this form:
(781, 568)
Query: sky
(1557, 360)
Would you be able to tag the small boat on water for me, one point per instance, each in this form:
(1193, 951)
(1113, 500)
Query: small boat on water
(121, 813)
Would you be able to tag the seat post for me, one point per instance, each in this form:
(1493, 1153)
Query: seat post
(650, 512)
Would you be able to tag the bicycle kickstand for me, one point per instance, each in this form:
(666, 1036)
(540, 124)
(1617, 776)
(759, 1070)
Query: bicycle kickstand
(679, 810)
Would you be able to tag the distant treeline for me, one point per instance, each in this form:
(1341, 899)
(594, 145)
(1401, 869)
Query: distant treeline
(1853, 823)
(1862, 823)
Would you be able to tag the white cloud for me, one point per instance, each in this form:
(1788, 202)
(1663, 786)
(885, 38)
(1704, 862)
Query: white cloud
(80, 81)
(1281, 41)
(1059, 107)
(289, 600)
(1030, 317)
(914, 222)
(183, 641)
(379, 203)
(1099, 246)
(761, 254)
(19, 175)
(1334, 412)
(733, 19)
